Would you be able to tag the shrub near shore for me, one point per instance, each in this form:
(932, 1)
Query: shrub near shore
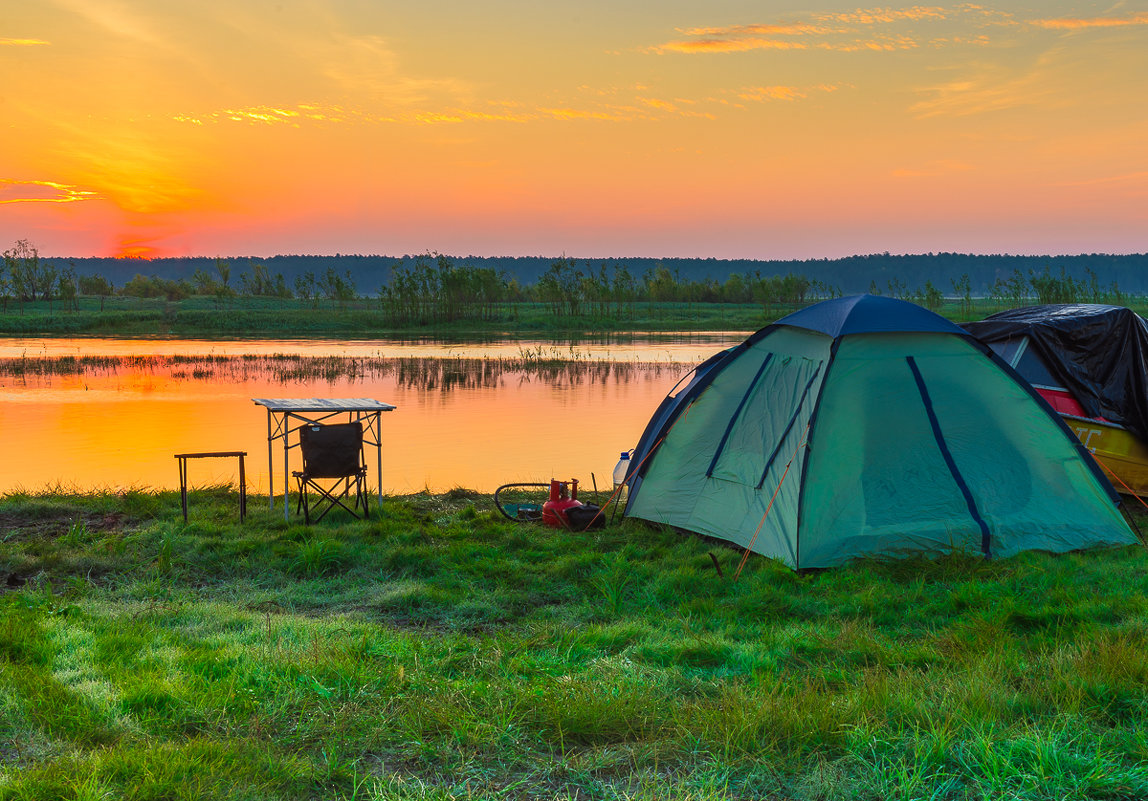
(439, 651)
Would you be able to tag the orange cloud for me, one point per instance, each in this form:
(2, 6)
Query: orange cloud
(847, 32)
(880, 16)
(795, 29)
(661, 105)
(310, 112)
(580, 114)
(1095, 22)
(42, 192)
(726, 46)
(22, 42)
(886, 43)
(761, 94)
(673, 107)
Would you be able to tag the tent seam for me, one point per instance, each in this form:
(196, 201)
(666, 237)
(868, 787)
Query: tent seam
(939, 437)
(812, 428)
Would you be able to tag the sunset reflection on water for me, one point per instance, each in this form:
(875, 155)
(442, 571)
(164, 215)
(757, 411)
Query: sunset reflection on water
(462, 420)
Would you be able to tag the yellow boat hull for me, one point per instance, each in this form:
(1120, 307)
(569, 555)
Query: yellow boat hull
(1124, 457)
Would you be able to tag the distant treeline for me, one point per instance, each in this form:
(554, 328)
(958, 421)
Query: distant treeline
(438, 288)
(850, 275)
(426, 290)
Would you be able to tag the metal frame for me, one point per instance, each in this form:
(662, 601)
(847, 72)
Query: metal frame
(182, 459)
(285, 416)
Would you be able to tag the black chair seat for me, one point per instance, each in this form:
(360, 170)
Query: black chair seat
(333, 470)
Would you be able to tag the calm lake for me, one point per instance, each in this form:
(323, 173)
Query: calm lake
(110, 413)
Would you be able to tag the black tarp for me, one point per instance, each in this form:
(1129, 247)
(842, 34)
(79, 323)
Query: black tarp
(1099, 353)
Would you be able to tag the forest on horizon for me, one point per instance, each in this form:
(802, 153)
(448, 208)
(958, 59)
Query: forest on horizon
(849, 275)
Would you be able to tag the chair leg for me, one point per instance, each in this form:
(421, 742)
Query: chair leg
(306, 507)
(338, 494)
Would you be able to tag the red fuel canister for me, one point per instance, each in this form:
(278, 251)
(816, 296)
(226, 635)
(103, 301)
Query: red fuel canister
(563, 496)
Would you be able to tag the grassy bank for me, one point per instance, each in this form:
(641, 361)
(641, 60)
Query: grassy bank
(438, 651)
(274, 318)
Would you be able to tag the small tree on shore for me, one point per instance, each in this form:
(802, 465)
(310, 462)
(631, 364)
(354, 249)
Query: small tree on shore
(66, 288)
(97, 285)
(29, 277)
(963, 287)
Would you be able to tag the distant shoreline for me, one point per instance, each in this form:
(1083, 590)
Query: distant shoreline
(272, 318)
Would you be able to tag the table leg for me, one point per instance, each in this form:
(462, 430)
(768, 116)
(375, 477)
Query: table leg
(242, 490)
(183, 487)
(286, 466)
(270, 466)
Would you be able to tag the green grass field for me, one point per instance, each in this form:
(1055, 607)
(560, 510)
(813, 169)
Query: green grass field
(439, 651)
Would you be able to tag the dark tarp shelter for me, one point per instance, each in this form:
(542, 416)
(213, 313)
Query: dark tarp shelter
(1098, 353)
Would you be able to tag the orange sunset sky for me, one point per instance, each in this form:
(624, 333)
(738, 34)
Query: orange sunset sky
(620, 128)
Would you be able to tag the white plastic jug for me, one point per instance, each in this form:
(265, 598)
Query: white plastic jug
(620, 470)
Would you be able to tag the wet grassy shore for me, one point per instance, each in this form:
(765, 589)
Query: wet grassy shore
(440, 651)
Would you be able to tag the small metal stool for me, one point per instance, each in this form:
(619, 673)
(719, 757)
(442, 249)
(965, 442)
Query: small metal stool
(183, 457)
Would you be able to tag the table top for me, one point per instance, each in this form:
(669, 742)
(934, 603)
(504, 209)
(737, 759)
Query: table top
(324, 405)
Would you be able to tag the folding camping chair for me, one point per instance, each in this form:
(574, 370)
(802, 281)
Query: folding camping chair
(332, 454)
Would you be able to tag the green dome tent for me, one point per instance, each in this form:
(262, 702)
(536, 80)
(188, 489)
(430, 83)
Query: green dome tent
(868, 426)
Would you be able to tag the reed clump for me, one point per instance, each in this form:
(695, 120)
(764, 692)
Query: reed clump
(438, 650)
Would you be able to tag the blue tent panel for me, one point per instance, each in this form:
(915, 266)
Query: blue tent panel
(868, 314)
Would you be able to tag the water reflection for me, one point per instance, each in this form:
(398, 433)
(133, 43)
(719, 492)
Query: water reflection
(93, 419)
(647, 347)
(415, 372)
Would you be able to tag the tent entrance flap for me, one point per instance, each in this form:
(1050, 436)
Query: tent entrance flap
(737, 414)
(788, 427)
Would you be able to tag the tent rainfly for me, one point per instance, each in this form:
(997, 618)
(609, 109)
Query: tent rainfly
(869, 426)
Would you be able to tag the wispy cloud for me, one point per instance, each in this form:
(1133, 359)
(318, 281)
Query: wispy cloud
(585, 114)
(643, 107)
(1074, 24)
(863, 30)
(118, 19)
(989, 89)
(303, 113)
(22, 42)
(884, 16)
(761, 94)
(12, 191)
(727, 45)
(265, 115)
